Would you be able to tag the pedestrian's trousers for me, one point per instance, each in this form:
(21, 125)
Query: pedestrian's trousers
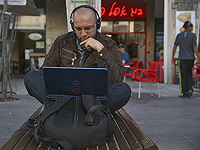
(185, 74)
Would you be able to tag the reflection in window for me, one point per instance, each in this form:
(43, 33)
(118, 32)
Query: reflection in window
(121, 26)
(106, 26)
(136, 26)
(131, 26)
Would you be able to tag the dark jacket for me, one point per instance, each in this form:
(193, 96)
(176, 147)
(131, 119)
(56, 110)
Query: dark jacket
(64, 53)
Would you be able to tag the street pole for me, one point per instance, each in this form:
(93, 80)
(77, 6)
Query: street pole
(5, 5)
(4, 56)
(166, 38)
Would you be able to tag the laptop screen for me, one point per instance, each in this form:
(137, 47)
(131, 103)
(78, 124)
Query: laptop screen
(70, 81)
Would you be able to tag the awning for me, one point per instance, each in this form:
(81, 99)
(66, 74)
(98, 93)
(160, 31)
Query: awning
(29, 9)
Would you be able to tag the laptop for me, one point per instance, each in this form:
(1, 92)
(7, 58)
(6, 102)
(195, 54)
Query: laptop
(71, 81)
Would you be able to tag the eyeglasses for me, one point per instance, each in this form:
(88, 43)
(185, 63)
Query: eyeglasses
(86, 29)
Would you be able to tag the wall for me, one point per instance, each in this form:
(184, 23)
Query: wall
(159, 8)
(56, 21)
(150, 32)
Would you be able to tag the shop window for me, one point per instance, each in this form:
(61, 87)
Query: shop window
(121, 26)
(159, 36)
(106, 26)
(136, 26)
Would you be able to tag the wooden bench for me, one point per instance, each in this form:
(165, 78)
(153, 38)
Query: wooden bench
(128, 136)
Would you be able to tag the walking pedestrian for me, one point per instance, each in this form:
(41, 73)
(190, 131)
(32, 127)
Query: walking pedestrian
(187, 43)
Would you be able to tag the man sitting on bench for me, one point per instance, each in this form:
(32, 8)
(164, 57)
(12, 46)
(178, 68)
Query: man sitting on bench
(88, 48)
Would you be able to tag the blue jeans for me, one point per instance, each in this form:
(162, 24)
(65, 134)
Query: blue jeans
(118, 94)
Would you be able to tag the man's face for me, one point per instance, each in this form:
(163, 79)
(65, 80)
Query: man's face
(121, 49)
(190, 28)
(85, 26)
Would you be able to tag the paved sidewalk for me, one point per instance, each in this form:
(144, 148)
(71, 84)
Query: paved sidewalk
(171, 122)
(14, 114)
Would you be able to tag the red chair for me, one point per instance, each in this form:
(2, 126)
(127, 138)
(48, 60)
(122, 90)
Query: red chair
(137, 65)
(197, 73)
(147, 75)
(132, 63)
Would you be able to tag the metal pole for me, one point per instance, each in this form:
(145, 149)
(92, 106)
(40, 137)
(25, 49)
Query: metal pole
(5, 5)
(166, 16)
(4, 53)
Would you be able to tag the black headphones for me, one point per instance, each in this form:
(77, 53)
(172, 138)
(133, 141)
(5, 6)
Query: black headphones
(98, 22)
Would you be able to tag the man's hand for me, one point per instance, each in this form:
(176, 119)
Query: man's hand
(123, 61)
(173, 53)
(197, 60)
(172, 59)
(197, 53)
(92, 43)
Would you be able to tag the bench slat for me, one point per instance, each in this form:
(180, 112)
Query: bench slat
(35, 145)
(131, 139)
(15, 139)
(112, 145)
(24, 141)
(147, 143)
(102, 147)
(119, 137)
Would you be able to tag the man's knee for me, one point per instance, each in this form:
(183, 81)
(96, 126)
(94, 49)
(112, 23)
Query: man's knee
(118, 96)
(120, 88)
(126, 88)
(31, 75)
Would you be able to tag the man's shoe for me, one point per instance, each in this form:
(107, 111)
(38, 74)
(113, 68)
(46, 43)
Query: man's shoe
(183, 96)
(190, 92)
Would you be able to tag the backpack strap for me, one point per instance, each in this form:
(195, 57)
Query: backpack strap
(47, 112)
(64, 144)
(52, 108)
(93, 104)
(89, 101)
(89, 119)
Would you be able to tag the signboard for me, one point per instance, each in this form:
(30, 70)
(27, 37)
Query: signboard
(14, 2)
(123, 10)
(174, 5)
(159, 38)
(32, 22)
(35, 36)
(182, 17)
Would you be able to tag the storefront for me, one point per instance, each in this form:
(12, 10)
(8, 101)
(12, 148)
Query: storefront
(125, 22)
(30, 42)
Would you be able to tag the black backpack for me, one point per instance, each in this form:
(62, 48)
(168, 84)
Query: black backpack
(74, 123)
